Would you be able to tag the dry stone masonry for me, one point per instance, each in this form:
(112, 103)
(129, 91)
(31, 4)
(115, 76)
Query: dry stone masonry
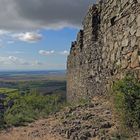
(106, 47)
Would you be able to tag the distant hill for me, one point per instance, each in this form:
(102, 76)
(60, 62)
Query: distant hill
(17, 73)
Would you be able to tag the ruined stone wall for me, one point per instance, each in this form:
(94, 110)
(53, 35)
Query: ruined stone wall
(107, 46)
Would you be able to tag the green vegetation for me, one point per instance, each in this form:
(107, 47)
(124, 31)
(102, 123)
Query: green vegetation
(7, 90)
(44, 84)
(27, 97)
(127, 101)
(27, 108)
(30, 107)
(40, 87)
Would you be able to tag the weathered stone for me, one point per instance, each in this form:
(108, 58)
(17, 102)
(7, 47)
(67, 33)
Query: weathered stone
(132, 17)
(132, 30)
(111, 46)
(138, 20)
(124, 64)
(125, 42)
(138, 32)
(133, 41)
(112, 57)
(106, 125)
(135, 59)
(109, 37)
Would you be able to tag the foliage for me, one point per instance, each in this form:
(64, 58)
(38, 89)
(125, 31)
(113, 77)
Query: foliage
(127, 101)
(30, 96)
(27, 108)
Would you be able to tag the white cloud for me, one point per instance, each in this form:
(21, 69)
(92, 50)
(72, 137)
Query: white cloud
(65, 52)
(10, 60)
(3, 60)
(37, 63)
(29, 37)
(13, 62)
(18, 61)
(11, 37)
(4, 32)
(13, 58)
(45, 53)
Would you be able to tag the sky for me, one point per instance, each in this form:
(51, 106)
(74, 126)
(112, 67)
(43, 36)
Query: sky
(37, 34)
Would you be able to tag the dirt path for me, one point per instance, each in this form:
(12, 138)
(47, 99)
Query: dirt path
(39, 130)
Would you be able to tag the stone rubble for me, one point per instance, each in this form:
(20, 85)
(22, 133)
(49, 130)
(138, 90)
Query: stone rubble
(85, 122)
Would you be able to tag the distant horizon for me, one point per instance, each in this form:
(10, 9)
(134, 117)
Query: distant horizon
(32, 70)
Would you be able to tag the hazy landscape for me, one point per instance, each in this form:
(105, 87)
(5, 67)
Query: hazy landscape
(41, 82)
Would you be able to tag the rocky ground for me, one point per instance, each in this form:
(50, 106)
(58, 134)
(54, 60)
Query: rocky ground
(92, 121)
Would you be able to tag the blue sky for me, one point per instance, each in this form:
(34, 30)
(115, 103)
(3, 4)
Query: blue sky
(37, 34)
(48, 52)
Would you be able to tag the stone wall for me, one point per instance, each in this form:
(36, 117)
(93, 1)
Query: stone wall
(107, 47)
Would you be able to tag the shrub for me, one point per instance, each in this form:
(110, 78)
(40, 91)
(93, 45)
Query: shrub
(27, 108)
(127, 101)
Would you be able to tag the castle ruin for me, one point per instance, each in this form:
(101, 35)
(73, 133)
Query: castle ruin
(106, 47)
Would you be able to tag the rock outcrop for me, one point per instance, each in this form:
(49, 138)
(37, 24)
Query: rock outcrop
(106, 48)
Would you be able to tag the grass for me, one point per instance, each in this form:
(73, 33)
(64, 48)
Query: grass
(7, 90)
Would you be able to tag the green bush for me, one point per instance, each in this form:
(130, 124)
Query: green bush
(27, 108)
(127, 101)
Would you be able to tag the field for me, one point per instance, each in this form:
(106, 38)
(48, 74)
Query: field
(7, 90)
(27, 96)
(13, 76)
(41, 82)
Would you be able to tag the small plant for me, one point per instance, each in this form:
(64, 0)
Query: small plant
(127, 101)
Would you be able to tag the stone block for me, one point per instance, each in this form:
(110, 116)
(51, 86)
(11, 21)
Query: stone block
(138, 32)
(125, 42)
(138, 20)
(134, 59)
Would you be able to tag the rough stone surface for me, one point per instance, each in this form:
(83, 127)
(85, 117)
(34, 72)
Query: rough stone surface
(86, 122)
(106, 47)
